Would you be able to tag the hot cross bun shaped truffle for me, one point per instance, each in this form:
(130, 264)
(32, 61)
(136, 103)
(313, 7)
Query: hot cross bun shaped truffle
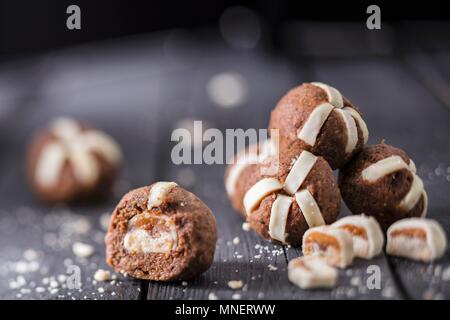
(161, 232)
(71, 161)
(238, 170)
(285, 196)
(381, 181)
(317, 118)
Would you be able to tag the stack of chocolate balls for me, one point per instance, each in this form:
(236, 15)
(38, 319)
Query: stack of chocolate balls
(285, 186)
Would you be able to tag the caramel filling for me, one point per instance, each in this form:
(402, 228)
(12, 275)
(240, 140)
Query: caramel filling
(410, 233)
(321, 241)
(151, 233)
(355, 230)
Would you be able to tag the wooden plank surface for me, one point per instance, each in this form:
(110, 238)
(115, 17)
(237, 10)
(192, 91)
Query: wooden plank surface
(139, 91)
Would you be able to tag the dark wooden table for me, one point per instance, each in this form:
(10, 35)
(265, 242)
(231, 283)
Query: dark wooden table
(139, 89)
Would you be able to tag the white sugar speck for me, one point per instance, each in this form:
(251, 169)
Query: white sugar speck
(82, 250)
(235, 284)
(212, 296)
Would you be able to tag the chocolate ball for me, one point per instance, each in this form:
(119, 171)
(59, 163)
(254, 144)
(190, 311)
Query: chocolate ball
(382, 182)
(70, 161)
(317, 118)
(284, 195)
(161, 232)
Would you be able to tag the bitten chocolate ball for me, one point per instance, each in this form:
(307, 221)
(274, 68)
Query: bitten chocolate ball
(161, 232)
(317, 118)
(285, 196)
(381, 181)
(70, 161)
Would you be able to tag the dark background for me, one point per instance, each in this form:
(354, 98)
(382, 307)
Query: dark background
(31, 26)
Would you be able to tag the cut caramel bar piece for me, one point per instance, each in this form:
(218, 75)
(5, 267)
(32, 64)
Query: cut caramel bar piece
(333, 244)
(310, 272)
(417, 239)
(367, 236)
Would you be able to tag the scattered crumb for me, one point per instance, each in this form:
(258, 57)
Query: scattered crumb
(54, 291)
(235, 284)
(446, 274)
(355, 281)
(260, 295)
(54, 284)
(272, 268)
(17, 283)
(24, 266)
(212, 296)
(62, 278)
(30, 254)
(101, 290)
(236, 241)
(236, 296)
(388, 292)
(82, 250)
(246, 226)
(184, 283)
(104, 221)
(102, 275)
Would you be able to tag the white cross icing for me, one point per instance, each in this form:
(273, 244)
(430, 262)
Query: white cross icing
(158, 193)
(77, 147)
(282, 204)
(392, 164)
(246, 158)
(311, 128)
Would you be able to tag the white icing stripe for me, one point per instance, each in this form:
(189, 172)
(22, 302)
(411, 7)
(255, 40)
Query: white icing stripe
(85, 166)
(278, 217)
(235, 172)
(413, 195)
(268, 148)
(334, 96)
(258, 191)
(299, 171)
(65, 128)
(49, 165)
(425, 204)
(158, 193)
(315, 121)
(352, 131)
(361, 123)
(78, 147)
(309, 207)
(103, 144)
(383, 167)
(249, 156)
(412, 166)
